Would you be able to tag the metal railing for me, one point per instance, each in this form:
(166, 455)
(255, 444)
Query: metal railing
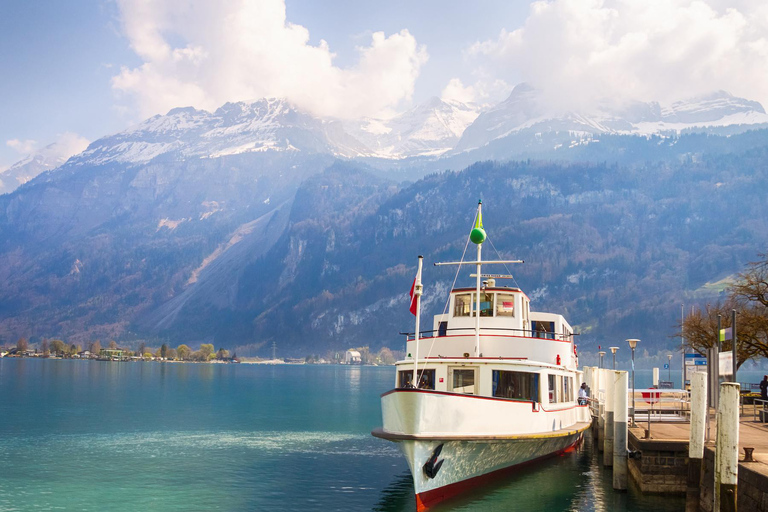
(528, 333)
(759, 402)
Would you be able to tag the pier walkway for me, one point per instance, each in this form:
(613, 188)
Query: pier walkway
(662, 462)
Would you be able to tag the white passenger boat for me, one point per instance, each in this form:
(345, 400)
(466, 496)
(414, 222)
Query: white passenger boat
(495, 391)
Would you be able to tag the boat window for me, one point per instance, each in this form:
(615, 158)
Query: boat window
(486, 304)
(566, 389)
(561, 389)
(543, 329)
(442, 329)
(518, 385)
(552, 380)
(461, 304)
(405, 379)
(426, 379)
(463, 381)
(505, 304)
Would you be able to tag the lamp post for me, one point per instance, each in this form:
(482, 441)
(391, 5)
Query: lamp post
(669, 366)
(613, 351)
(633, 344)
(601, 354)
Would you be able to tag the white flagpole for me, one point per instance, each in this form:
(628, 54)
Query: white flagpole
(417, 294)
(479, 272)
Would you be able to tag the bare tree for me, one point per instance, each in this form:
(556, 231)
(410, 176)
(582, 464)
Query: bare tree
(749, 298)
(752, 285)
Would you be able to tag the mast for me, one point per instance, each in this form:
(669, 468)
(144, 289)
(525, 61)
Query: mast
(478, 237)
(417, 289)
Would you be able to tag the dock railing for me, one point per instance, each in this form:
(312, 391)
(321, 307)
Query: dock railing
(760, 405)
(661, 404)
(652, 404)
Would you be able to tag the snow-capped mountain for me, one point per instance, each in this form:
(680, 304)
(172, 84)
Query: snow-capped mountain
(263, 125)
(526, 112)
(45, 159)
(429, 129)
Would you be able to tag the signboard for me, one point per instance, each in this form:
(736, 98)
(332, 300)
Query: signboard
(695, 360)
(726, 363)
(666, 366)
(691, 368)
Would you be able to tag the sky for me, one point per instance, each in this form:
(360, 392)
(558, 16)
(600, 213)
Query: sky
(72, 72)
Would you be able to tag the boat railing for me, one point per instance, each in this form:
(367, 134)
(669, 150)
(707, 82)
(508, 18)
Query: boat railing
(527, 333)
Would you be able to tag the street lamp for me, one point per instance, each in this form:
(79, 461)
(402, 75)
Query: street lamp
(601, 354)
(613, 351)
(633, 344)
(669, 366)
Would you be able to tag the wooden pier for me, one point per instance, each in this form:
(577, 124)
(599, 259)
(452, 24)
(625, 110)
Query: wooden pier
(659, 462)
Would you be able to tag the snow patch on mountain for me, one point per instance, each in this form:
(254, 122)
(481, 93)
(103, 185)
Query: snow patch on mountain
(525, 111)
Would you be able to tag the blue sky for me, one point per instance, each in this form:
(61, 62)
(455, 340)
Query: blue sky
(93, 67)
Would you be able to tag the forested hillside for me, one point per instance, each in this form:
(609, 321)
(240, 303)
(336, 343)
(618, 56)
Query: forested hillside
(243, 252)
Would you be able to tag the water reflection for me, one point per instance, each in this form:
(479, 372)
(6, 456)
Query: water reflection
(397, 496)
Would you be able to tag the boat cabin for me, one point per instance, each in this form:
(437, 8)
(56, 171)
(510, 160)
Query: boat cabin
(524, 355)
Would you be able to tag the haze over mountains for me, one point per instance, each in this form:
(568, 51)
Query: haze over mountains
(259, 222)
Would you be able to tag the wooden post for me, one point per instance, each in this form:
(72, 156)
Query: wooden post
(620, 418)
(609, 405)
(601, 409)
(727, 449)
(696, 443)
(734, 344)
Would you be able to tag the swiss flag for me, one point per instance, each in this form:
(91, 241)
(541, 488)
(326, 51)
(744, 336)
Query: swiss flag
(414, 304)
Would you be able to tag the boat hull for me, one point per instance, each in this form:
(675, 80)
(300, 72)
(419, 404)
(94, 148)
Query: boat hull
(463, 465)
(455, 442)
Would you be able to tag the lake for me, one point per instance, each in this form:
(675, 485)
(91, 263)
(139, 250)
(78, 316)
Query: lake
(94, 436)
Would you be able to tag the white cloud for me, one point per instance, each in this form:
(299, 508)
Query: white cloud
(207, 53)
(23, 147)
(485, 90)
(580, 51)
(65, 145)
(456, 91)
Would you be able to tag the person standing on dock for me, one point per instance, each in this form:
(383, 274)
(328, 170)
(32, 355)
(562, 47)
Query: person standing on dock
(764, 388)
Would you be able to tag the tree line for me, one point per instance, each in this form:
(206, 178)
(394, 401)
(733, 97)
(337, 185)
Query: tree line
(58, 348)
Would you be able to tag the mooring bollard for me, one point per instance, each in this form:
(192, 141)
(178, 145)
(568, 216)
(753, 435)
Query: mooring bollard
(620, 417)
(696, 442)
(609, 405)
(727, 449)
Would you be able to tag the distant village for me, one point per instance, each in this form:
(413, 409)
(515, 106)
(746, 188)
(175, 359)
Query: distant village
(207, 353)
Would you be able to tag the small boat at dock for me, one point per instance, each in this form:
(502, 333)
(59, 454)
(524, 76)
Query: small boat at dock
(491, 387)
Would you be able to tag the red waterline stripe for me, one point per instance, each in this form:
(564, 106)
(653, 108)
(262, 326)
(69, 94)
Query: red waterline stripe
(431, 498)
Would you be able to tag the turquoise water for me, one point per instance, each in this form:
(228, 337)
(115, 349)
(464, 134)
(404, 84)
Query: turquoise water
(95, 436)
